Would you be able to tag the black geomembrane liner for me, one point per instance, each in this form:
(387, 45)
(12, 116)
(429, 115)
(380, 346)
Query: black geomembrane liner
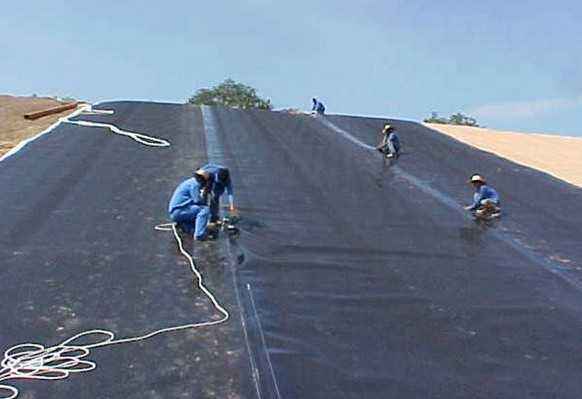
(354, 283)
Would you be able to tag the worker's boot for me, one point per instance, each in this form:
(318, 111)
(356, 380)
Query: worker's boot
(488, 211)
(211, 232)
(495, 211)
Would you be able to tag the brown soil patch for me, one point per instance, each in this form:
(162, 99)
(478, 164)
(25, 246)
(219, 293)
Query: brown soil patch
(558, 156)
(14, 128)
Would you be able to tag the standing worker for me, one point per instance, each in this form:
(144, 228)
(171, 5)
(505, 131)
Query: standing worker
(390, 143)
(318, 107)
(188, 207)
(218, 182)
(485, 200)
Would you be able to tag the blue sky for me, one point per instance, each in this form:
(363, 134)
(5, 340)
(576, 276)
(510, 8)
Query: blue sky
(513, 65)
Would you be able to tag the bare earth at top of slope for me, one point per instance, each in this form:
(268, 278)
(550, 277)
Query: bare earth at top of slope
(14, 128)
(558, 156)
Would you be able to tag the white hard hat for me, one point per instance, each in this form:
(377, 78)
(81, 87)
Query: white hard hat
(202, 173)
(476, 178)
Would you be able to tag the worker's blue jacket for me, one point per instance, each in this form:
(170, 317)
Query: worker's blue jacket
(216, 186)
(318, 107)
(484, 192)
(187, 193)
(393, 138)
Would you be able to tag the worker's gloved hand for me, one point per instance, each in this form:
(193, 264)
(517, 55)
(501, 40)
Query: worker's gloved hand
(468, 207)
(233, 214)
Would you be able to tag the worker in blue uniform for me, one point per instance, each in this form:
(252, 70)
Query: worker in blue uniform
(218, 182)
(485, 199)
(389, 143)
(188, 207)
(318, 106)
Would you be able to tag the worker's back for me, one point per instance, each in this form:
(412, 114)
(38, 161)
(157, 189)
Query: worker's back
(187, 192)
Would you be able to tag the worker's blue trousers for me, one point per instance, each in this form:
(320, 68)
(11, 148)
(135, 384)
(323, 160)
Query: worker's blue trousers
(215, 204)
(214, 208)
(193, 219)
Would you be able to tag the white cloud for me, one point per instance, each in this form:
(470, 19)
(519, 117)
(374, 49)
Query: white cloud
(524, 109)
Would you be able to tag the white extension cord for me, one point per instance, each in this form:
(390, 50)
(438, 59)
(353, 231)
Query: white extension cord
(31, 361)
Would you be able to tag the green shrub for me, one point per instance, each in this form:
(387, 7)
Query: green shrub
(455, 119)
(230, 94)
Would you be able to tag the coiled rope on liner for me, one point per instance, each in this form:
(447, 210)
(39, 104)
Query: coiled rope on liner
(32, 361)
(36, 362)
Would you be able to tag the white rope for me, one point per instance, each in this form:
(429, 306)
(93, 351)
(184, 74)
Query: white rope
(33, 361)
(87, 109)
(139, 137)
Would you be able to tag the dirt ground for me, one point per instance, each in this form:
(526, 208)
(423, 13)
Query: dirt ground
(559, 156)
(14, 128)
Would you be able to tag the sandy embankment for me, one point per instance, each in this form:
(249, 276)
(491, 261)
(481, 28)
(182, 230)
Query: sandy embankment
(558, 156)
(14, 128)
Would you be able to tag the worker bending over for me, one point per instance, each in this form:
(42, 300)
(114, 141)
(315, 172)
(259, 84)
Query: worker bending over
(389, 143)
(485, 200)
(218, 182)
(318, 107)
(188, 207)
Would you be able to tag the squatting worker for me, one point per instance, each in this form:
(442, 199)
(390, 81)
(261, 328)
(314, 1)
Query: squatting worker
(389, 143)
(485, 199)
(218, 182)
(317, 106)
(188, 206)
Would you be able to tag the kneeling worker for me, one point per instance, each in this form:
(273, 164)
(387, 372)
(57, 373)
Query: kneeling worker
(390, 143)
(219, 181)
(485, 200)
(188, 206)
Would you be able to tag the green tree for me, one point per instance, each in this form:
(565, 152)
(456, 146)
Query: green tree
(230, 94)
(435, 118)
(464, 120)
(455, 119)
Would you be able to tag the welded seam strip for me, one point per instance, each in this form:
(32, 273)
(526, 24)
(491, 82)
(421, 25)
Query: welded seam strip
(215, 155)
(264, 341)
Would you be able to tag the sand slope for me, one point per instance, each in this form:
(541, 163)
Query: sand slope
(559, 156)
(14, 128)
